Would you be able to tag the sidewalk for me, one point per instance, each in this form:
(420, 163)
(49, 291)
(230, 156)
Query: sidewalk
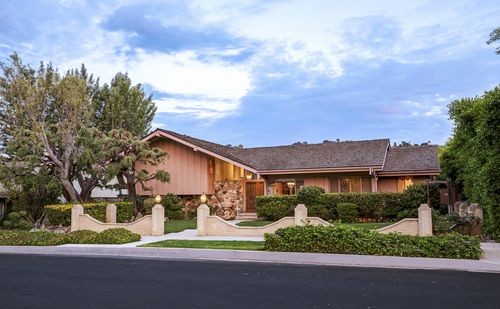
(483, 265)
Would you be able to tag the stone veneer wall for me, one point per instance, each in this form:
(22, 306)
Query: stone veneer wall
(228, 197)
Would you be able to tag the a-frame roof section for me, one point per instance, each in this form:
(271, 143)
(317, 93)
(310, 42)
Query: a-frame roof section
(216, 150)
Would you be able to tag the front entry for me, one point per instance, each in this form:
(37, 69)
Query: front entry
(252, 190)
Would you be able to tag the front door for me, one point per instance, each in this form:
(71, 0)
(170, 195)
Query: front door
(252, 190)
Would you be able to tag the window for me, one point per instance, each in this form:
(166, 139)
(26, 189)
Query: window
(404, 182)
(351, 184)
(284, 186)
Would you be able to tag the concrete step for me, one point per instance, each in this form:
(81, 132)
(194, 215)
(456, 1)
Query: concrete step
(247, 216)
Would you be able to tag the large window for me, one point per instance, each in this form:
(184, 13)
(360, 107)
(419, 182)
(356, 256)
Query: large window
(404, 182)
(284, 186)
(350, 184)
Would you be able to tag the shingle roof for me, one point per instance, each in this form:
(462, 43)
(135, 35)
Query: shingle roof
(413, 158)
(324, 155)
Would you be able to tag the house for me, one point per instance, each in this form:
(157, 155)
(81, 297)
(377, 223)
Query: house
(233, 177)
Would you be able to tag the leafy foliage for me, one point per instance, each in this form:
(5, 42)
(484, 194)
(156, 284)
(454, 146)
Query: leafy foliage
(348, 240)
(348, 212)
(370, 205)
(116, 236)
(61, 213)
(18, 220)
(495, 36)
(172, 204)
(471, 157)
(310, 195)
(45, 238)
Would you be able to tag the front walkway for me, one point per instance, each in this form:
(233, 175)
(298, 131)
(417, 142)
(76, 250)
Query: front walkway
(184, 235)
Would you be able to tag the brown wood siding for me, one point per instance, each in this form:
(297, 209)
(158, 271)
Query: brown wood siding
(322, 182)
(387, 184)
(189, 171)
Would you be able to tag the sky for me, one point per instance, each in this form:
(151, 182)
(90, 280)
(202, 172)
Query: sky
(263, 73)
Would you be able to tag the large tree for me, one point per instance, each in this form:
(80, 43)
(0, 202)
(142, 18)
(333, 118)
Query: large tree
(472, 155)
(495, 36)
(83, 133)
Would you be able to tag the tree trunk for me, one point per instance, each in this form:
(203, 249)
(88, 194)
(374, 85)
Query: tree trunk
(132, 192)
(86, 185)
(70, 190)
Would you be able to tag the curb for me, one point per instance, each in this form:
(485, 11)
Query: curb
(393, 262)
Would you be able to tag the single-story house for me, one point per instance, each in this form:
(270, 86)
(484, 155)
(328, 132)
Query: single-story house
(232, 177)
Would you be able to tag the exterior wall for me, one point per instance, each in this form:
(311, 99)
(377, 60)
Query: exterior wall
(323, 182)
(387, 184)
(188, 169)
(405, 227)
(228, 198)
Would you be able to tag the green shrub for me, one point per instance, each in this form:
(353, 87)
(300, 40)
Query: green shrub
(61, 213)
(372, 205)
(81, 237)
(320, 211)
(348, 240)
(18, 221)
(310, 195)
(116, 236)
(172, 204)
(275, 207)
(348, 212)
(26, 238)
(440, 223)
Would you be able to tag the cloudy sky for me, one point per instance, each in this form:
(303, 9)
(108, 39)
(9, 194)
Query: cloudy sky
(274, 72)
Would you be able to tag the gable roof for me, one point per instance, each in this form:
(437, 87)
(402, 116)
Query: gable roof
(412, 158)
(365, 154)
(347, 154)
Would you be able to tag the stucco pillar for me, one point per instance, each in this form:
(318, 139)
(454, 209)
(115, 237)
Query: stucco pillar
(424, 220)
(300, 214)
(158, 219)
(111, 213)
(201, 219)
(76, 211)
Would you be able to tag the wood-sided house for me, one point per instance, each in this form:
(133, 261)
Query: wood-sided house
(233, 177)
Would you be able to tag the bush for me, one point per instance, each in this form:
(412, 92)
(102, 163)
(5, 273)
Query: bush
(275, 207)
(18, 221)
(310, 195)
(348, 212)
(26, 238)
(172, 204)
(81, 237)
(348, 240)
(116, 236)
(321, 211)
(374, 205)
(61, 213)
(440, 223)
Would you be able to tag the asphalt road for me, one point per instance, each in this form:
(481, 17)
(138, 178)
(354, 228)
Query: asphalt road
(78, 282)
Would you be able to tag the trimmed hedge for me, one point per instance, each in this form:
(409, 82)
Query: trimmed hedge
(172, 204)
(275, 207)
(46, 238)
(61, 213)
(348, 240)
(348, 212)
(370, 205)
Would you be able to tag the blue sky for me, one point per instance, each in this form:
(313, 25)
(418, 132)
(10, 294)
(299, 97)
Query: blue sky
(263, 73)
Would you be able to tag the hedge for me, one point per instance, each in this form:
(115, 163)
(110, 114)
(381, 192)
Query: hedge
(370, 204)
(46, 238)
(348, 240)
(172, 204)
(275, 207)
(60, 214)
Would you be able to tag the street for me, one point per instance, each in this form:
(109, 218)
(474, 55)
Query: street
(31, 281)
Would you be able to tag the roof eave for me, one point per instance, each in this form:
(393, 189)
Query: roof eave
(321, 170)
(432, 172)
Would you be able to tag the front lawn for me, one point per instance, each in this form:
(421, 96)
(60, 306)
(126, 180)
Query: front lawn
(254, 223)
(175, 226)
(208, 244)
(365, 226)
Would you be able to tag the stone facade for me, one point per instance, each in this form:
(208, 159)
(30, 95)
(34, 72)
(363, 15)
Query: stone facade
(228, 198)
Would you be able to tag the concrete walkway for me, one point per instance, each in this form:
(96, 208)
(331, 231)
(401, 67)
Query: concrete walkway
(483, 265)
(189, 234)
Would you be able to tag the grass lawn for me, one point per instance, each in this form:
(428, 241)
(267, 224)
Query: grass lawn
(365, 226)
(208, 244)
(254, 223)
(175, 226)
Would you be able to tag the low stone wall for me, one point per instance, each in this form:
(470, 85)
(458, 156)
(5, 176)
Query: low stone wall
(150, 225)
(215, 226)
(406, 227)
(422, 226)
